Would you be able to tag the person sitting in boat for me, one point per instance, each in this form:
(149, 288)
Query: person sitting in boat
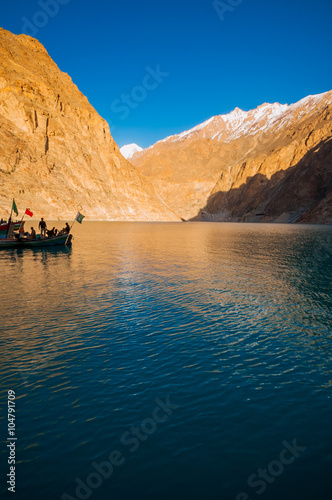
(33, 234)
(65, 230)
(42, 226)
(52, 232)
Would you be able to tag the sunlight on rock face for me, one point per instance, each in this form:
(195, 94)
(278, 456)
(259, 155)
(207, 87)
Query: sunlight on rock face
(55, 146)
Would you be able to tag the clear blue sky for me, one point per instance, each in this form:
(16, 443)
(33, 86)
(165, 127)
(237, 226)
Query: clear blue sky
(260, 52)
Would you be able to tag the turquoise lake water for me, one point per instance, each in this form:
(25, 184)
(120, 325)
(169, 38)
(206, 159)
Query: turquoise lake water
(170, 361)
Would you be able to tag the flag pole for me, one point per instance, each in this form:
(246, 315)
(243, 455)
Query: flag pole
(79, 218)
(25, 213)
(70, 230)
(11, 210)
(10, 219)
(22, 220)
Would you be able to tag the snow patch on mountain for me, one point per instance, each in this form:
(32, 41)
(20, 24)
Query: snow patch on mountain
(195, 129)
(129, 150)
(239, 123)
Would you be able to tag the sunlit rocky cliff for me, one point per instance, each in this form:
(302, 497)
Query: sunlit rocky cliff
(273, 163)
(56, 153)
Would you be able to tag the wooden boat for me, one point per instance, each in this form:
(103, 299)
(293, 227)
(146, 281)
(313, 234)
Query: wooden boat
(4, 228)
(26, 242)
(11, 239)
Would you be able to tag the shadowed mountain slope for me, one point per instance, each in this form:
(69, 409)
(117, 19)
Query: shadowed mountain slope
(220, 169)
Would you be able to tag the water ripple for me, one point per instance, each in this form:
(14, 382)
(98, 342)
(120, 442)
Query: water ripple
(232, 322)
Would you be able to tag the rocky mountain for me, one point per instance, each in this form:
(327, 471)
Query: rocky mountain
(273, 163)
(129, 150)
(56, 153)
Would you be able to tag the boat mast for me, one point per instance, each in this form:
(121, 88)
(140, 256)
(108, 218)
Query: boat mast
(10, 219)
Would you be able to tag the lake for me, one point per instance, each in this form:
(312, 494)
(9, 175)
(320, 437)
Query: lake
(170, 361)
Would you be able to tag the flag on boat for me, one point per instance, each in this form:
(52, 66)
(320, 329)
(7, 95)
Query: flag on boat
(28, 212)
(79, 217)
(14, 207)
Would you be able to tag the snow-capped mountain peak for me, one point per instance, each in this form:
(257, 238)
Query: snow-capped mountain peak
(272, 160)
(129, 150)
(239, 123)
(233, 125)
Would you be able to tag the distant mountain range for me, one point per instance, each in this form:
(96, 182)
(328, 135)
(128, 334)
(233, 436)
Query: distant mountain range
(273, 163)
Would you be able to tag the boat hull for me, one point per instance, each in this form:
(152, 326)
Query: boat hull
(38, 243)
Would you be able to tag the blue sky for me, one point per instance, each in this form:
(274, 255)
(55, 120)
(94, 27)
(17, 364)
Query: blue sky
(155, 68)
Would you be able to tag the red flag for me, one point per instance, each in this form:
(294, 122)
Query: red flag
(28, 212)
